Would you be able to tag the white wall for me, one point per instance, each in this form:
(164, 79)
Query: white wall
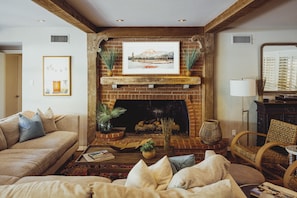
(235, 61)
(2, 85)
(36, 44)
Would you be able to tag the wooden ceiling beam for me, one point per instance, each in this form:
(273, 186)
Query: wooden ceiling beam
(66, 12)
(234, 12)
(160, 32)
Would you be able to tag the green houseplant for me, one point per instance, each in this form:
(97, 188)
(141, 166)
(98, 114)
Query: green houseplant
(105, 114)
(190, 58)
(109, 57)
(148, 149)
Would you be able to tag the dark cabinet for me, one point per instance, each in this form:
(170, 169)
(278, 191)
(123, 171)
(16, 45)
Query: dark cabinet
(279, 110)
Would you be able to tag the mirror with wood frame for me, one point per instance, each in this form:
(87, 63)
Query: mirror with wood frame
(279, 67)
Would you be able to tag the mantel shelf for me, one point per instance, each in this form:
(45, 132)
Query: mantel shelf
(150, 80)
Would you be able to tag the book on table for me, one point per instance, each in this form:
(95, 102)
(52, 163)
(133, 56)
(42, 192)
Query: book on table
(273, 190)
(98, 156)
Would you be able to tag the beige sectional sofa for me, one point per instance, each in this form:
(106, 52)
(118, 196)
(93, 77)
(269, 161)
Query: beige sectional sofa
(38, 156)
(25, 167)
(207, 179)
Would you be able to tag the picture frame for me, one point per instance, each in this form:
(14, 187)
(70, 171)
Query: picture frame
(56, 75)
(144, 58)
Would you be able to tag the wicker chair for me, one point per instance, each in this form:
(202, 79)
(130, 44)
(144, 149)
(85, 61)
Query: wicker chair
(270, 158)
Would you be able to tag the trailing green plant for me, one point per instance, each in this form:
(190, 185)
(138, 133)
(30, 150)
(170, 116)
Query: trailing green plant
(148, 146)
(104, 113)
(109, 57)
(191, 57)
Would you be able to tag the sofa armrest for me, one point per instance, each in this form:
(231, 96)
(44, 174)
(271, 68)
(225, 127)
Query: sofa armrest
(69, 122)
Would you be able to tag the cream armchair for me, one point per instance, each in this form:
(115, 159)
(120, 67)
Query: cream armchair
(271, 157)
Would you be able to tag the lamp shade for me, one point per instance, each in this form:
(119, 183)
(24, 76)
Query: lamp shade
(243, 87)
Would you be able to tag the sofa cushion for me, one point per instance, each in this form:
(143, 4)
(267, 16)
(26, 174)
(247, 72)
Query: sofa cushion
(10, 128)
(23, 162)
(8, 179)
(141, 177)
(45, 189)
(218, 189)
(48, 120)
(58, 141)
(210, 170)
(30, 128)
(107, 190)
(180, 162)
(82, 180)
(3, 143)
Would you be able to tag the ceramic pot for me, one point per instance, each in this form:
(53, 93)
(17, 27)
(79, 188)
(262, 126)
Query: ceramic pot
(210, 132)
(149, 154)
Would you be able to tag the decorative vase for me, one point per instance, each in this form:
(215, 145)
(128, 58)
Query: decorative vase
(210, 132)
(188, 72)
(149, 154)
(167, 143)
(109, 72)
(105, 127)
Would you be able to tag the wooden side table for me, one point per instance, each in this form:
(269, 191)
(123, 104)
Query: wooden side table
(292, 150)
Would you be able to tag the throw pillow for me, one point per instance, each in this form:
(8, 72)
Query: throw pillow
(48, 120)
(162, 173)
(180, 162)
(210, 170)
(10, 129)
(141, 177)
(30, 128)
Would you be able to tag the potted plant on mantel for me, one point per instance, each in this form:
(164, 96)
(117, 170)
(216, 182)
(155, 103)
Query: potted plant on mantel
(108, 57)
(148, 149)
(105, 114)
(190, 58)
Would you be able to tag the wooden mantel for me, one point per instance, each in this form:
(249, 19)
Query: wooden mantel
(150, 80)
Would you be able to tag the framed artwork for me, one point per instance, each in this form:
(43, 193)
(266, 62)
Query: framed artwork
(151, 58)
(56, 75)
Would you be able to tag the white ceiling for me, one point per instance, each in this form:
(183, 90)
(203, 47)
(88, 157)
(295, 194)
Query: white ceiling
(276, 14)
(150, 12)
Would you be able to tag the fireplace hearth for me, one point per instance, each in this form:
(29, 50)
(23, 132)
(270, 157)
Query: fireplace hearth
(144, 116)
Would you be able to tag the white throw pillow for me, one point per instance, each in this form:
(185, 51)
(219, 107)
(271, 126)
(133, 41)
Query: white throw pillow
(209, 171)
(141, 177)
(156, 176)
(162, 172)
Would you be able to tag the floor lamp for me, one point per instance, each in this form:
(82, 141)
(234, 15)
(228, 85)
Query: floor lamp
(243, 88)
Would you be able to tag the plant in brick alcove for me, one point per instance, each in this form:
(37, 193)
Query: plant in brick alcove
(190, 58)
(105, 114)
(108, 57)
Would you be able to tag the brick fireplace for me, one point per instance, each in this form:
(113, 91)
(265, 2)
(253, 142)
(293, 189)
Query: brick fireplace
(192, 94)
(196, 90)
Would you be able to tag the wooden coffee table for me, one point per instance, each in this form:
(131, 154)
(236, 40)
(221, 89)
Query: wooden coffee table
(123, 161)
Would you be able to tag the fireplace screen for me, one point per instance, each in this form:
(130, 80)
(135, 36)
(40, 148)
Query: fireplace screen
(144, 116)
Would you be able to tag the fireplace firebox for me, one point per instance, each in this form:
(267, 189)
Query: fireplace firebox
(144, 116)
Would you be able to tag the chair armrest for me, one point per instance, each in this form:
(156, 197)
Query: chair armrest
(245, 133)
(262, 150)
(69, 122)
(290, 174)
